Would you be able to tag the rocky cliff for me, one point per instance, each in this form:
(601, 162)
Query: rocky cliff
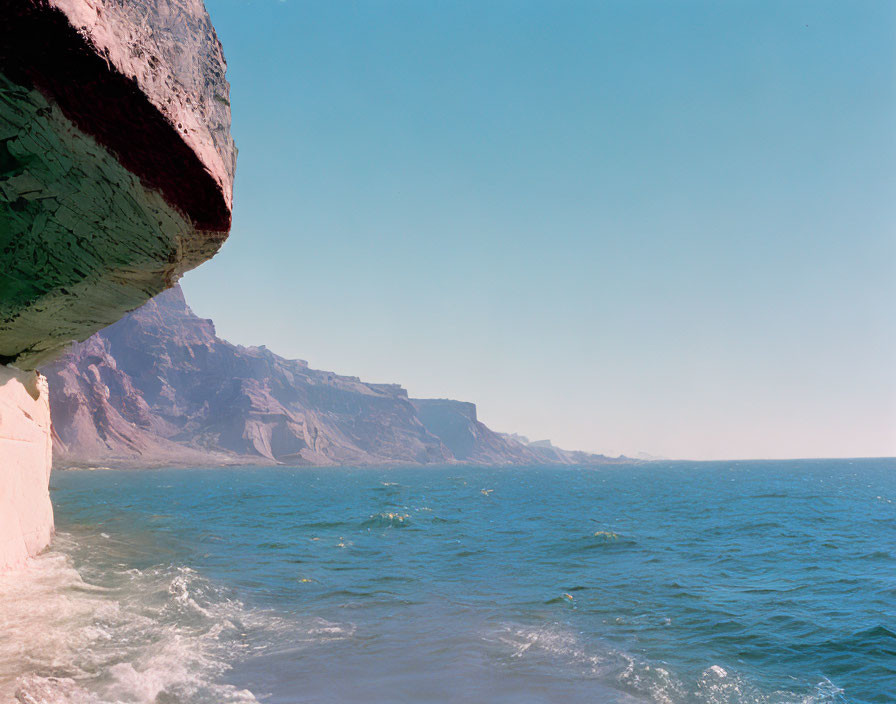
(160, 388)
(456, 425)
(116, 174)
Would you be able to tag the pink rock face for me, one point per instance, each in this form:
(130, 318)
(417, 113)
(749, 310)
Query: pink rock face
(26, 514)
(172, 52)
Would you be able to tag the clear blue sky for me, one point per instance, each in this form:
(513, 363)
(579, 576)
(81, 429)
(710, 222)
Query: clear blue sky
(624, 226)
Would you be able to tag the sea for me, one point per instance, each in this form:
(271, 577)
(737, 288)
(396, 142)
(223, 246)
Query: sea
(668, 583)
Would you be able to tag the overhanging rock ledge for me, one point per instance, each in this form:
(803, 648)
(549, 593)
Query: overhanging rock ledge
(116, 177)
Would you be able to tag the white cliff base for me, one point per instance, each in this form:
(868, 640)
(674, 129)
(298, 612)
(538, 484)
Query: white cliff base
(26, 514)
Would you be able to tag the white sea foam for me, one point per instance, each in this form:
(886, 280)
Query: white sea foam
(557, 644)
(161, 634)
(67, 641)
(550, 638)
(611, 666)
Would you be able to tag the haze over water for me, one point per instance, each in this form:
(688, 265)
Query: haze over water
(671, 583)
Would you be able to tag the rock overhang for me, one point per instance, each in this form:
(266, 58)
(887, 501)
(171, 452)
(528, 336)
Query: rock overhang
(116, 162)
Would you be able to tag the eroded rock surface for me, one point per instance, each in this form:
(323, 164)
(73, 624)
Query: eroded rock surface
(159, 387)
(455, 423)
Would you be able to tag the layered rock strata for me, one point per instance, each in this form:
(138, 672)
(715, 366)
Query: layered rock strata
(160, 388)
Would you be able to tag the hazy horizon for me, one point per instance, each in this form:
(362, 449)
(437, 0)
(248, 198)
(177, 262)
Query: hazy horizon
(626, 227)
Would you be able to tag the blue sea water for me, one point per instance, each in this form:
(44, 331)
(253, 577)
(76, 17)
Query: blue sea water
(670, 583)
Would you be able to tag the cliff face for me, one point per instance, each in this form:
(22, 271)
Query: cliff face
(469, 440)
(159, 387)
(455, 423)
(116, 173)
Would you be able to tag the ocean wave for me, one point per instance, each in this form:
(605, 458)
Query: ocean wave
(324, 524)
(718, 686)
(556, 643)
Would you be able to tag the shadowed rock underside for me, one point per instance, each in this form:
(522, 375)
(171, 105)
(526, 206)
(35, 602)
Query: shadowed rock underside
(116, 162)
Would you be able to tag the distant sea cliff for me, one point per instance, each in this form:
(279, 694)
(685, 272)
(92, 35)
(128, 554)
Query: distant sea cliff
(160, 388)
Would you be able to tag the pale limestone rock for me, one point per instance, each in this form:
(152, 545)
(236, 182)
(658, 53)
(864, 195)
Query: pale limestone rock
(26, 514)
